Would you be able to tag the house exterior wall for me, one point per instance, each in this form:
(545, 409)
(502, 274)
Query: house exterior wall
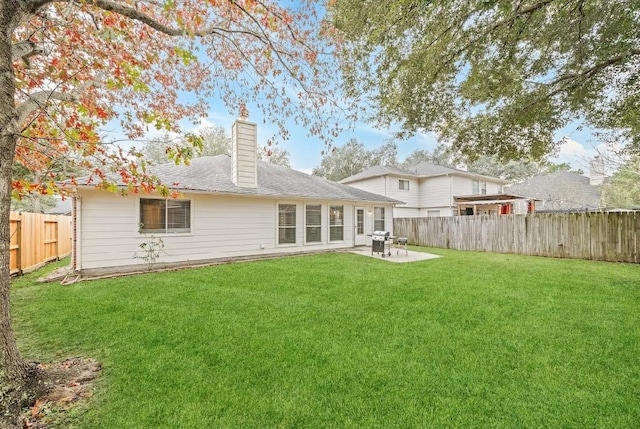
(437, 211)
(435, 192)
(429, 196)
(401, 211)
(463, 185)
(494, 188)
(389, 187)
(410, 197)
(377, 185)
(221, 227)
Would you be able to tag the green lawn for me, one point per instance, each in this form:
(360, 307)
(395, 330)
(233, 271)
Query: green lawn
(341, 340)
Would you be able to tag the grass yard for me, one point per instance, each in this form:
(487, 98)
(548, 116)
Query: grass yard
(345, 341)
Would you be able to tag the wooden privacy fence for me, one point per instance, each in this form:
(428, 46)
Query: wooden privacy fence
(37, 239)
(599, 236)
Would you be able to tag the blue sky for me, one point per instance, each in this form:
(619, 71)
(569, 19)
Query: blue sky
(306, 152)
(578, 149)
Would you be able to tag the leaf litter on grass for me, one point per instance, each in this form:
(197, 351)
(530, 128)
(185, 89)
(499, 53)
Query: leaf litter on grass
(71, 384)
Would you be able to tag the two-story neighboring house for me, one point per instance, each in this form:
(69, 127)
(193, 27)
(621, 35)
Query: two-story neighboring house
(428, 189)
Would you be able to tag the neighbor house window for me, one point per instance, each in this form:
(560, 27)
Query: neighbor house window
(476, 187)
(313, 218)
(403, 185)
(483, 188)
(286, 223)
(336, 223)
(165, 216)
(378, 219)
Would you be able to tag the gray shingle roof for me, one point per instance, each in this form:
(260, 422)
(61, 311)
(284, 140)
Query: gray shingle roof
(378, 170)
(423, 169)
(560, 191)
(430, 169)
(213, 174)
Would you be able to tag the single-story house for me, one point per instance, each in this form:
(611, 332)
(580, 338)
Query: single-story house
(229, 207)
(428, 190)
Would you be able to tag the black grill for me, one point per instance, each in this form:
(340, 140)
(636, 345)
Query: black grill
(381, 243)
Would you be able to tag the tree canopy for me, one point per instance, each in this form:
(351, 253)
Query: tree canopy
(352, 158)
(495, 77)
(212, 141)
(623, 189)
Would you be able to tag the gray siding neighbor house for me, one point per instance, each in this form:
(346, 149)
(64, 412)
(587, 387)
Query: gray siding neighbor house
(426, 189)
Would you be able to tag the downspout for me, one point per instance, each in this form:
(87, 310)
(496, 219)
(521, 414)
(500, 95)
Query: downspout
(75, 258)
(450, 194)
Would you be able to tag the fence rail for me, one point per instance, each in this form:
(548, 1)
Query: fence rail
(37, 239)
(598, 236)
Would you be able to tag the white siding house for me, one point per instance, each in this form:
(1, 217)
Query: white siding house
(426, 189)
(228, 207)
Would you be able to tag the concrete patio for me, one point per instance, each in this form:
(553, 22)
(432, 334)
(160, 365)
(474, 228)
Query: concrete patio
(397, 255)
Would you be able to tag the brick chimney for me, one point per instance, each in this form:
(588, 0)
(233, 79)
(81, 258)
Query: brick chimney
(244, 153)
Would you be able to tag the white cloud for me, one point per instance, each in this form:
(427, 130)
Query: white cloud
(575, 154)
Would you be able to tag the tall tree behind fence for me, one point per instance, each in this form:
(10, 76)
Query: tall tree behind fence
(599, 236)
(37, 239)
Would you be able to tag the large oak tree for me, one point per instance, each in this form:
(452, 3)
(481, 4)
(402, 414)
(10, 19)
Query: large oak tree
(69, 68)
(496, 77)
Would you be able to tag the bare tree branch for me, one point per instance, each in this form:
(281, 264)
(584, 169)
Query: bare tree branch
(39, 100)
(24, 50)
(596, 68)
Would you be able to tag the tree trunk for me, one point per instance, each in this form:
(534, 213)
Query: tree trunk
(17, 377)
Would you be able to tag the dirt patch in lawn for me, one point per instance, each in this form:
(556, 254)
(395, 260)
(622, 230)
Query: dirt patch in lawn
(70, 383)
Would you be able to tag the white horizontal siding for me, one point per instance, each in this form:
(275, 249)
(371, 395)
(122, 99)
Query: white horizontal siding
(493, 187)
(410, 197)
(376, 185)
(406, 212)
(462, 185)
(444, 211)
(221, 227)
(436, 192)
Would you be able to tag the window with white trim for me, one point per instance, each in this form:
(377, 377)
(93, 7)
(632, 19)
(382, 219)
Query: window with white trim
(165, 216)
(336, 223)
(483, 188)
(378, 219)
(403, 185)
(313, 223)
(286, 223)
(475, 187)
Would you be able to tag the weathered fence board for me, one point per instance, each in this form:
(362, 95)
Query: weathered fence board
(37, 239)
(598, 236)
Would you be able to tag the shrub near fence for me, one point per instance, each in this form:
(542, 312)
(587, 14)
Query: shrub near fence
(599, 236)
(37, 239)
